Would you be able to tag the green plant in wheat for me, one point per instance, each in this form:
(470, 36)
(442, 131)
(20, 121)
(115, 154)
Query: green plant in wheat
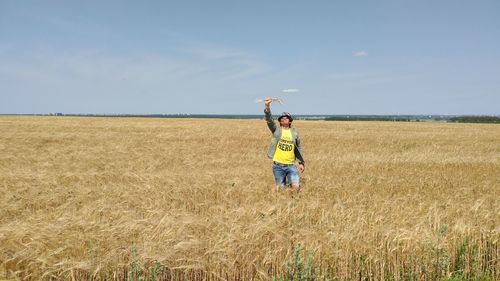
(155, 272)
(442, 256)
(137, 272)
(467, 253)
(299, 267)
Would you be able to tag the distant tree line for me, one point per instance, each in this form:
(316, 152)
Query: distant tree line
(452, 119)
(475, 119)
(372, 118)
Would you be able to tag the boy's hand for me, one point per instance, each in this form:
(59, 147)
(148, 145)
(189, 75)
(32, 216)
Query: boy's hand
(301, 168)
(268, 101)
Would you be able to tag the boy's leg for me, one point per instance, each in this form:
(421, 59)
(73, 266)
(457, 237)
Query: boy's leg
(279, 176)
(293, 177)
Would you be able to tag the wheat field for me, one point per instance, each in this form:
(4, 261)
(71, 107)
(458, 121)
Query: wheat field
(194, 199)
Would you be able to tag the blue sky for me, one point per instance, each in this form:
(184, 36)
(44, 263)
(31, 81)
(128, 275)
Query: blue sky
(341, 57)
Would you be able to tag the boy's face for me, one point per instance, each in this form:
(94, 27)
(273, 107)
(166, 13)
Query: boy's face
(284, 121)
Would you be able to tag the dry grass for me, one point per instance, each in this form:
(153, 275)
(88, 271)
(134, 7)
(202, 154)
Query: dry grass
(107, 198)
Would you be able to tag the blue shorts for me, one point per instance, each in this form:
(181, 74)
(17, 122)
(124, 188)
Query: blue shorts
(283, 172)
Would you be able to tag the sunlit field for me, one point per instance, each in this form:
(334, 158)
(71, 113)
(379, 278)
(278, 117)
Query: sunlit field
(186, 199)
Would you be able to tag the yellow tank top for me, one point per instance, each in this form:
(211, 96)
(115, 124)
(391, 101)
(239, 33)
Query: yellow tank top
(285, 148)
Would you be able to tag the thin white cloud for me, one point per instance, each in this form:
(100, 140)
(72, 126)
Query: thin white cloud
(209, 52)
(217, 65)
(291, 90)
(230, 64)
(367, 78)
(120, 82)
(360, 54)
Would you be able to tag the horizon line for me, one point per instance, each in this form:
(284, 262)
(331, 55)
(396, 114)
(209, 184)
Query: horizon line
(236, 114)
